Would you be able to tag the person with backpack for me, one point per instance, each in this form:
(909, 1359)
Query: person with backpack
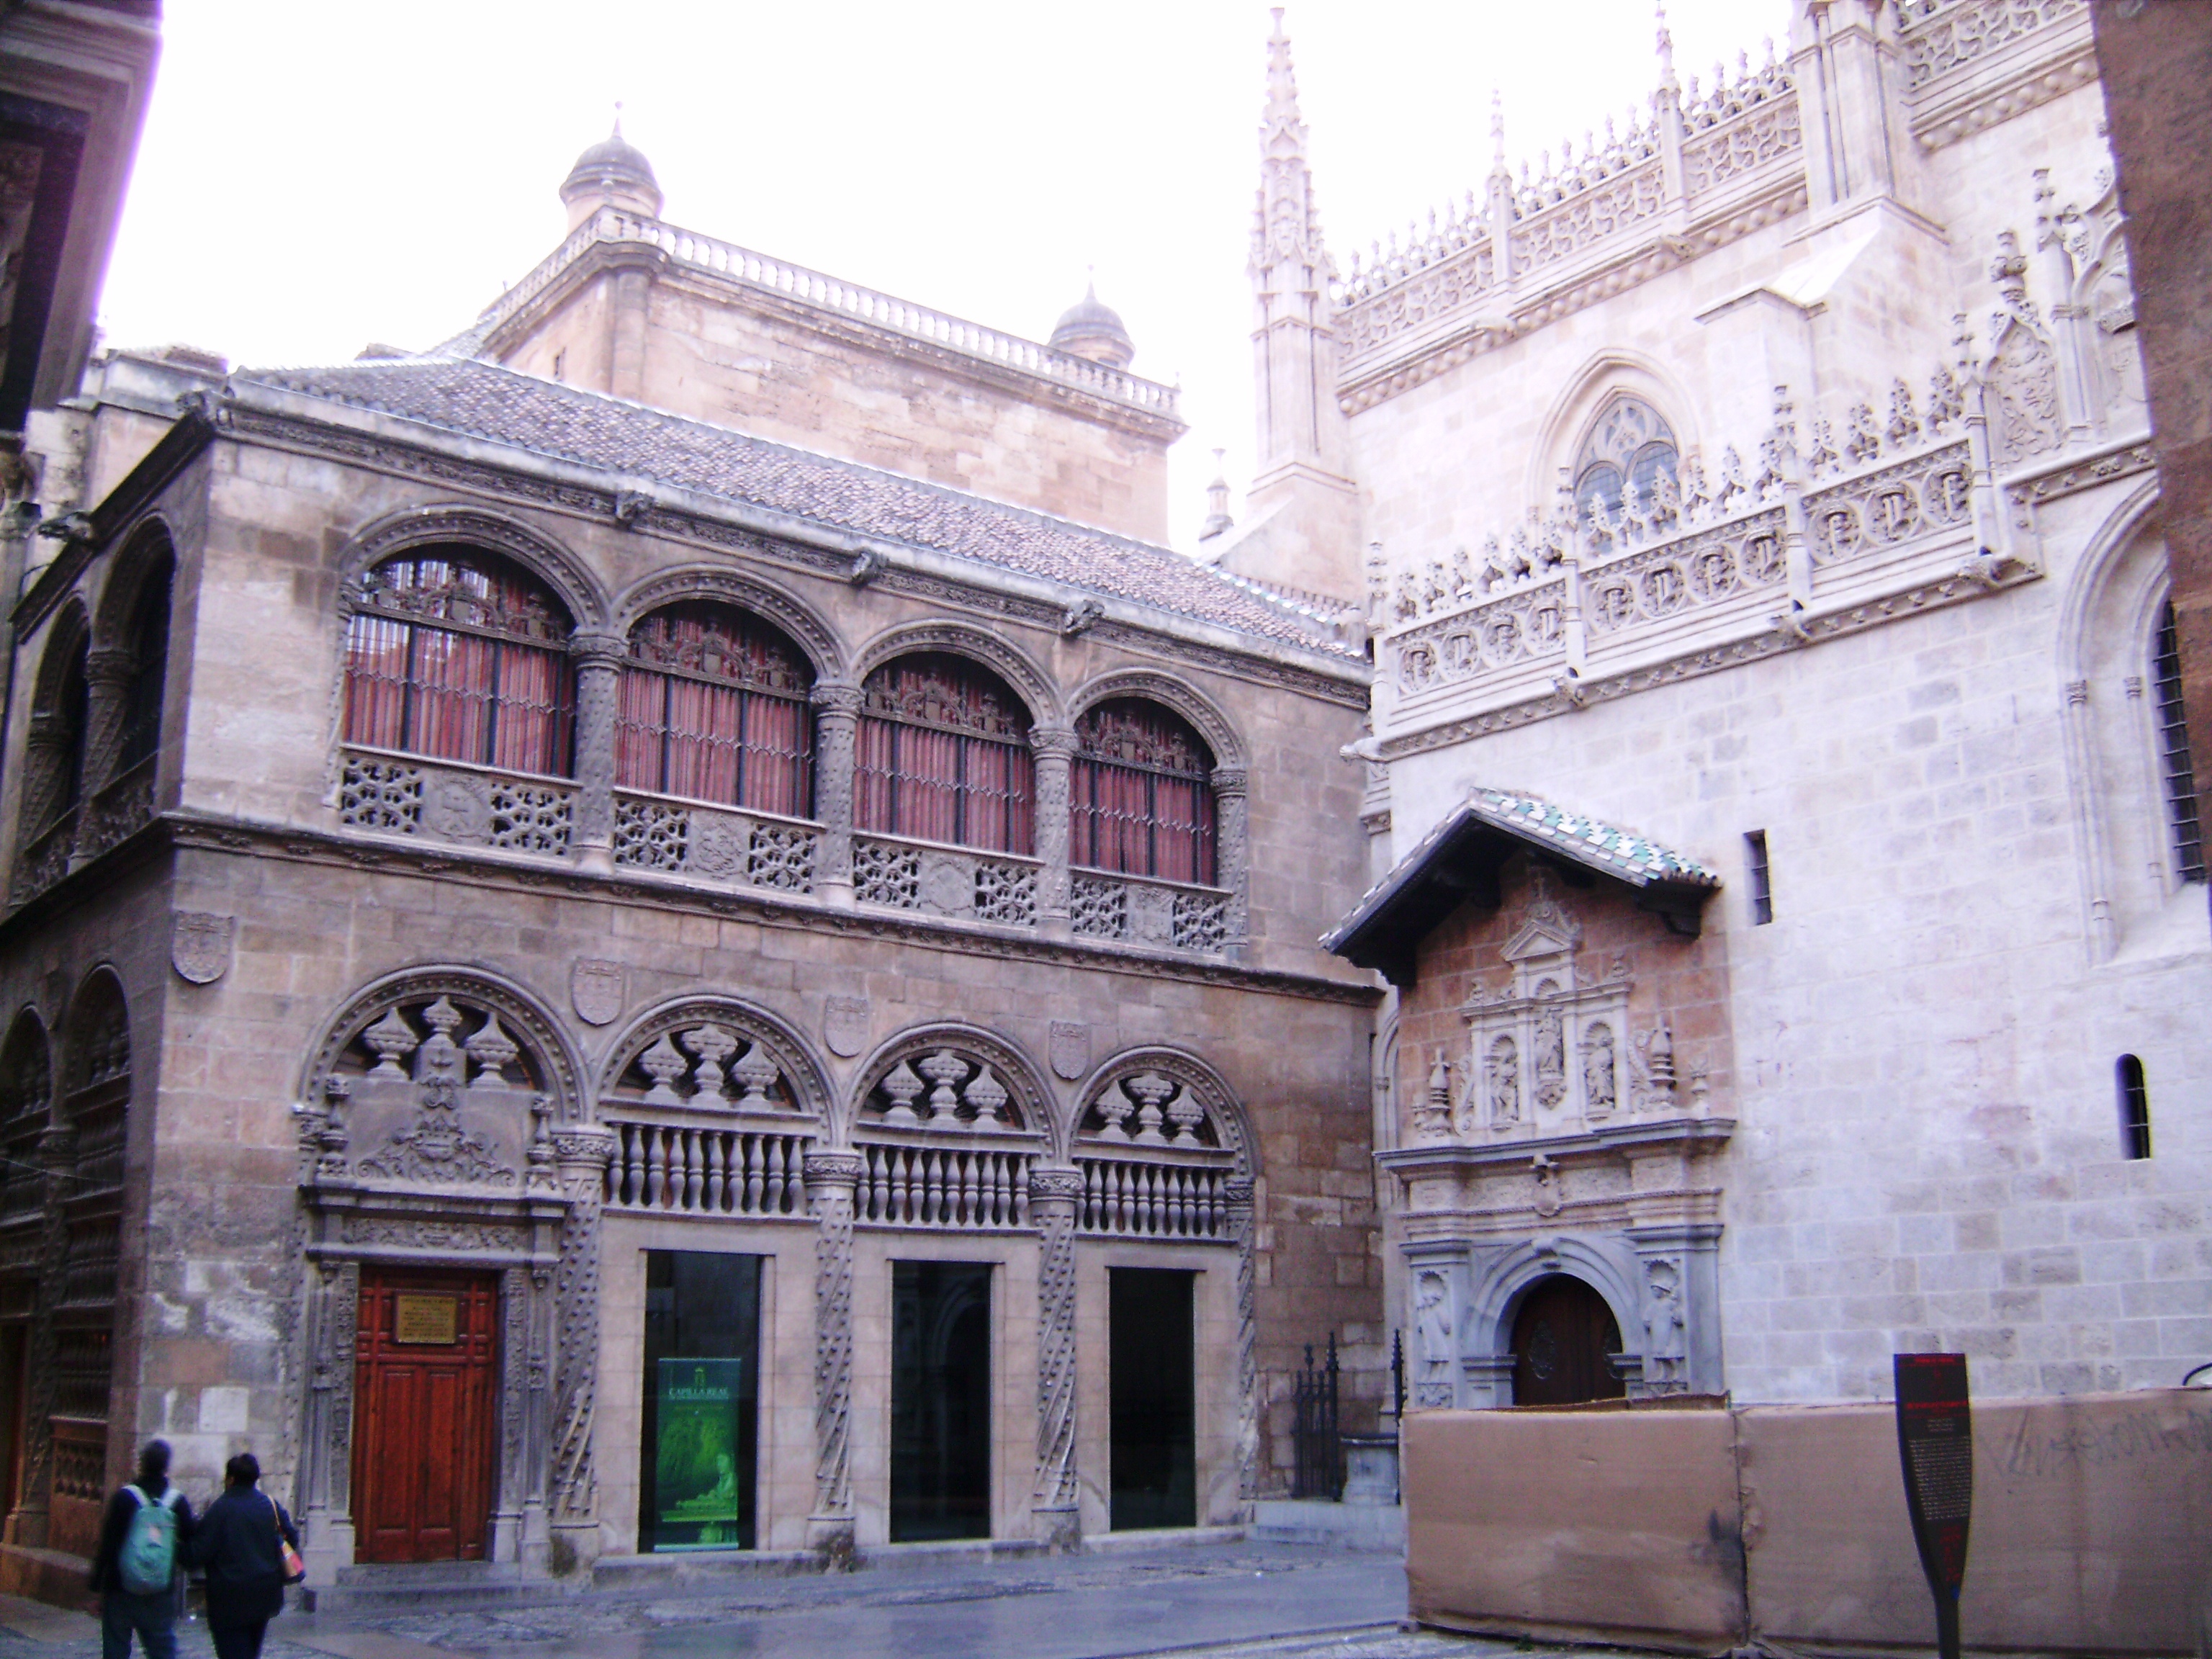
(247, 1546)
(136, 1571)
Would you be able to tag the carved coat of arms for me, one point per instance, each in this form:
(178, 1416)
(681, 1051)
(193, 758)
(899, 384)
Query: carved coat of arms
(845, 1026)
(596, 988)
(1070, 1049)
(199, 945)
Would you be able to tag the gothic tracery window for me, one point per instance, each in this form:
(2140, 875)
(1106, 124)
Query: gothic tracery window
(1630, 446)
(713, 706)
(2174, 768)
(943, 755)
(1141, 793)
(457, 654)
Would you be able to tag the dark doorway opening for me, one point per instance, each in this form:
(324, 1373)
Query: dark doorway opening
(1563, 1338)
(427, 1361)
(1153, 1390)
(940, 1400)
(696, 1470)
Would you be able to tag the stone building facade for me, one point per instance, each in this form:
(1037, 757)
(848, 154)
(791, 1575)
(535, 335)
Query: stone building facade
(709, 993)
(1774, 479)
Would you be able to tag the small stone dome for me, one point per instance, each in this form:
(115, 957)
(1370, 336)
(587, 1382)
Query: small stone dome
(1089, 329)
(615, 171)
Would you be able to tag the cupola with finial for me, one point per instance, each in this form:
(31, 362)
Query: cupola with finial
(612, 173)
(1089, 329)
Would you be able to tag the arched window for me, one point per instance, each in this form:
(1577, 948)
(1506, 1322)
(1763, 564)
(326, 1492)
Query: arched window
(459, 655)
(72, 709)
(150, 650)
(1630, 445)
(713, 706)
(2135, 1106)
(2173, 754)
(945, 756)
(1141, 793)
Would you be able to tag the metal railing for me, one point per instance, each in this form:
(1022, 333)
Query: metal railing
(1317, 1449)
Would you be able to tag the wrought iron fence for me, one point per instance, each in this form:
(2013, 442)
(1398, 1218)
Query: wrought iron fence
(1319, 1470)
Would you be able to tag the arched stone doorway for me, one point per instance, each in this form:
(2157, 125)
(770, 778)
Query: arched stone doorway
(1565, 1336)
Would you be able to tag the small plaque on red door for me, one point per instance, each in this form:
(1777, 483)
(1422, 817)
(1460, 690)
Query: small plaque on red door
(427, 1321)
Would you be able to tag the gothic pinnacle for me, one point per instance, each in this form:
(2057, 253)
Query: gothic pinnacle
(1497, 167)
(1666, 82)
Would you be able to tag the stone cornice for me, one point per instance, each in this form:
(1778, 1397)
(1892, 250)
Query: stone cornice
(186, 829)
(1627, 1138)
(410, 449)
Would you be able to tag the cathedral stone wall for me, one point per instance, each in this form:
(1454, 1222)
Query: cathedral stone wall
(1929, 1152)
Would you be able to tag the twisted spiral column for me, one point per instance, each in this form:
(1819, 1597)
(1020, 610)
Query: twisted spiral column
(1054, 1195)
(830, 1179)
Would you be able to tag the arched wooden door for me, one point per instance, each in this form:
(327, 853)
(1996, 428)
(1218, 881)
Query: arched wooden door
(1563, 1338)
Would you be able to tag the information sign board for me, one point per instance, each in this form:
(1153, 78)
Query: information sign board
(1936, 1444)
(695, 1478)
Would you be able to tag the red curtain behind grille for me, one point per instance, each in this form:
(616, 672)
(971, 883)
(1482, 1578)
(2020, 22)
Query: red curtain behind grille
(933, 783)
(1141, 795)
(488, 698)
(728, 724)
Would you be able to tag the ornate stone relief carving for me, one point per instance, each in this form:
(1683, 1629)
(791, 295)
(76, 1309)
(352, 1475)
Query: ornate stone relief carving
(1549, 1055)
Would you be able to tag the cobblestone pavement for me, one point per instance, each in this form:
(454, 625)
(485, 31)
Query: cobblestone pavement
(1204, 1601)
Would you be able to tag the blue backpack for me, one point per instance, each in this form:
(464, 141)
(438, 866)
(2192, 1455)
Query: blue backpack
(149, 1557)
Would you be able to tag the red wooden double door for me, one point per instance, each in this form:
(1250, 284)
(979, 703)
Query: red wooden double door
(425, 1415)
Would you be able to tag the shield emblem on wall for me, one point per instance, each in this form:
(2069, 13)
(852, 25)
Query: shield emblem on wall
(1070, 1049)
(199, 945)
(845, 1026)
(596, 988)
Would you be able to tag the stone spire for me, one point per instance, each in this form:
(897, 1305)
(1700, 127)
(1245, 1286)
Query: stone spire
(1216, 500)
(1302, 518)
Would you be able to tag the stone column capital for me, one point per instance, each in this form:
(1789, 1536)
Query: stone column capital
(1232, 780)
(598, 650)
(834, 697)
(110, 664)
(828, 1169)
(1058, 742)
(1055, 1186)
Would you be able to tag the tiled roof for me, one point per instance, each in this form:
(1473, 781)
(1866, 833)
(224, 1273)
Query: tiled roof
(1395, 915)
(1605, 847)
(483, 400)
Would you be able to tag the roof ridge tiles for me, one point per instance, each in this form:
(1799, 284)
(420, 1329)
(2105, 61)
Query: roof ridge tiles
(489, 401)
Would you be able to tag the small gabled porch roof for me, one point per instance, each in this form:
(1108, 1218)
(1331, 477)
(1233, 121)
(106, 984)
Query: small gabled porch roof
(1459, 861)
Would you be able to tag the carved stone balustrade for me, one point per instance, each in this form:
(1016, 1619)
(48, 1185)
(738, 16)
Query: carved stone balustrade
(715, 843)
(1179, 915)
(397, 794)
(946, 881)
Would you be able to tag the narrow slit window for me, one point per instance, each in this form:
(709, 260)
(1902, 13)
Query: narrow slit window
(1762, 888)
(2134, 1108)
(2173, 754)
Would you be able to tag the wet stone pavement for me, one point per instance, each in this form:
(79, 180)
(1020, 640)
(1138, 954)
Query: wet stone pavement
(1208, 1601)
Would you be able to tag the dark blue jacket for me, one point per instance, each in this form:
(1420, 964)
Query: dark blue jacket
(234, 1542)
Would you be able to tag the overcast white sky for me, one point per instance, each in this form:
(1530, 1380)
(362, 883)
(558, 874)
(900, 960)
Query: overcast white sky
(316, 176)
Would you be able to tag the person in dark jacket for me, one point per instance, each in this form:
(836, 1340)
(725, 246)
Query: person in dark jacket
(152, 1614)
(236, 1544)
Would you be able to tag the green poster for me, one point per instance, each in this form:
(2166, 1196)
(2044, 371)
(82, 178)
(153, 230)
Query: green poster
(696, 1460)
